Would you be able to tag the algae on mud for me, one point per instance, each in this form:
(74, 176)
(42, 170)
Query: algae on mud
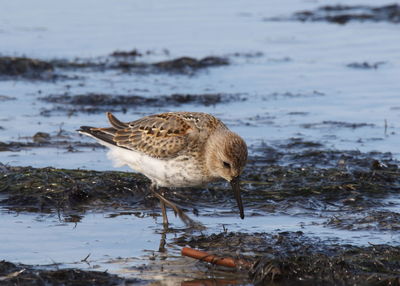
(12, 274)
(49, 189)
(50, 70)
(291, 258)
(353, 182)
(350, 182)
(187, 65)
(342, 14)
(26, 68)
(365, 65)
(100, 102)
(40, 139)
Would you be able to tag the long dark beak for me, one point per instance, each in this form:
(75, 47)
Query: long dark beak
(235, 183)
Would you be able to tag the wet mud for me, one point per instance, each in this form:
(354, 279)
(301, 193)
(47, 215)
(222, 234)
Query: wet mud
(343, 14)
(132, 53)
(278, 95)
(328, 184)
(50, 70)
(12, 274)
(350, 190)
(94, 103)
(26, 68)
(66, 191)
(299, 152)
(373, 220)
(123, 61)
(366, 65)
(60, 139)
(6, 98)
(336, 124)
(187, 65)
(343, 201)
(291, 258)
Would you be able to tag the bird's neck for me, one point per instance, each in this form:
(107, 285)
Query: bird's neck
(215, 144)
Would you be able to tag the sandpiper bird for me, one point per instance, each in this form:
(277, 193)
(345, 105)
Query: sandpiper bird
(175, 149)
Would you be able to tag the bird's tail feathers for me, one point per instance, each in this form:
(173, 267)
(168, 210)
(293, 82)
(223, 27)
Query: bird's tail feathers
(101, 134)
(115, 122)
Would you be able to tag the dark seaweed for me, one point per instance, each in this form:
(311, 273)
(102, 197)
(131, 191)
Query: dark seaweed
(26, 68)
(49, 189)
(350, 189)
(366, 65)
(45, 140)
(342, 14)
(94, 102)
(291, 258)
(131, 53)
(12, 274)
(6, 98)
(187, 65)
(376, 220)
(355, 182)
(337, 124)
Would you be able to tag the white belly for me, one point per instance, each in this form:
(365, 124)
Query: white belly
(165, 173)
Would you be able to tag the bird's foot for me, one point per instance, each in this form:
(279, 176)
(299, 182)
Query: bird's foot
(177, 210)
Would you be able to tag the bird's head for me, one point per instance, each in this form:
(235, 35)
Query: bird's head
(226, 159)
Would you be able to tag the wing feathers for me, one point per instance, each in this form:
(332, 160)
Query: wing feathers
(162, 135)
(115, 122)
(97, 133)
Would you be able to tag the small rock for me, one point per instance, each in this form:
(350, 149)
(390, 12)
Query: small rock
(41, 137)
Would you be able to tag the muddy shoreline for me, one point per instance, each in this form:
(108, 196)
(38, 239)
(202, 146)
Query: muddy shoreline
(51, 70)
(358, 183)
(95, 103)
(311, 87)
(286, 258)
(344, 14)
(20, 274)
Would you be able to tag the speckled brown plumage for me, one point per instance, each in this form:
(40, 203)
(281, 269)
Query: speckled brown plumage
(176, 149)
(164, 135)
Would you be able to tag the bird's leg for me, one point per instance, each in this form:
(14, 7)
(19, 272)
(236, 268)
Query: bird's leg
(186, 219)
(164, 202)
(163, 241)
(164, 213)
(153, 188)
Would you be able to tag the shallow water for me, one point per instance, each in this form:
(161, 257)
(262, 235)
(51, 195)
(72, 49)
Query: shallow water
(46, 239)
(296, 84)
(301, 77)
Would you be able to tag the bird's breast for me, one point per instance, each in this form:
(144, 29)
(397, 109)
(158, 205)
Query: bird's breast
(182, 171)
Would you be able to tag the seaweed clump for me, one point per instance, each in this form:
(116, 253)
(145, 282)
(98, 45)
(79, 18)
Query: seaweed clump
(325, 174)
(124, 61)
(47, 189)
(132, 53)
(374, 220)
(365, 65)
(99, 102)
(342, 14)
(26, 68)
(290, 258)
(358, 182)
(43, 140)
(12, 274)
(187, 64)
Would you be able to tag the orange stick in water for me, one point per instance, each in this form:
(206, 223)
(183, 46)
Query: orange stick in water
(211, 258)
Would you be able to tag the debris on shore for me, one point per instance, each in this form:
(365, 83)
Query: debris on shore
(100, 102)
(343, 14)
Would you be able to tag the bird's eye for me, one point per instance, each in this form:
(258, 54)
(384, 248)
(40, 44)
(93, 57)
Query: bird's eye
(227, 165)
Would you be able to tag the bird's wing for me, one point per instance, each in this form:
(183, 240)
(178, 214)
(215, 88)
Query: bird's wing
(160, 136)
